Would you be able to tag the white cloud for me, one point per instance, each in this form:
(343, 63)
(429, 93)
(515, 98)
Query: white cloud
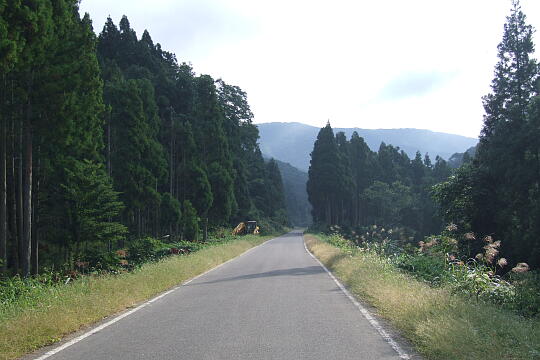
(312, 60)
(414, 84)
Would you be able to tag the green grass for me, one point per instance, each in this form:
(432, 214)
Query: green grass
(440, 325)
(47, 314)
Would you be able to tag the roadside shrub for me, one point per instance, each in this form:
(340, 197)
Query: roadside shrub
(144, 250)
(149, 249)
(221, 235)
(189, 246)
(478, 277)
(99, 260)
(339, 241)
(431, 260)
(190, 222)
(12, 289)
(390, 241)
(527, 293)
(269, 226)
(15, 288)
(429, 268)
(440, 261)
(479, 281)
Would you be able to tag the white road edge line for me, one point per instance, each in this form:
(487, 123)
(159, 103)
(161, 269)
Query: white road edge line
(126, 314)
(402, 354)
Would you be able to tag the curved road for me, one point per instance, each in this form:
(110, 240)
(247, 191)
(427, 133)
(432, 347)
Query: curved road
(274, 302)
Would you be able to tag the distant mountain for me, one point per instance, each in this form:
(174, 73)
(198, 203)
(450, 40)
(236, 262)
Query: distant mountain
(293, 142)
(296, 197)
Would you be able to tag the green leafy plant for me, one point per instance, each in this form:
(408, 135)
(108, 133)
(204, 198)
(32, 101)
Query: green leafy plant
(444, 260)
(527, 292)
(144, 250)
(478, 277)
(98, 260)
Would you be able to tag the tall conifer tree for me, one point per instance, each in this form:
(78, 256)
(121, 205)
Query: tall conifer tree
(502, 156)
(323, 185)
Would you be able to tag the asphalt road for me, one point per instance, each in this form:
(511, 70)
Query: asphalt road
(275, 302)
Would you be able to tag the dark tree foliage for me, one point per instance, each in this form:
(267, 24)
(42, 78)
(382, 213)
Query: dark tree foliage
(222, 185)
(190, 222)
(89, 202)
(237, 118)
(363, 167)
(106, 140)
(296, 197)
(276, 208)
(497, 194)
(323, 182)
(170, 212)
(203, 128)
(59, 198)
(351, 186)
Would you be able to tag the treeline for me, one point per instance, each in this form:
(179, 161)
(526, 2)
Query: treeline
(108, 139)
(493, 196)
(350, 185)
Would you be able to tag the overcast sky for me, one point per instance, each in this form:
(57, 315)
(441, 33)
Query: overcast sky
(369, 64)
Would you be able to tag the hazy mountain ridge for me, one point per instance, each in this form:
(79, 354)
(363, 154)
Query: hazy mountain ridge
(296, 197)
(293, 142)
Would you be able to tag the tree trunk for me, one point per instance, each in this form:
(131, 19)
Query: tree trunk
(342, 220)
(3, 197)
(205, 235)
(139, 227)
(27, 197)
(176, 185)
(109, 167)
(20, 227)
(358, 214)
(12, 186)
(34, 254)
(35, 219)
(183, 189)
(171, 156)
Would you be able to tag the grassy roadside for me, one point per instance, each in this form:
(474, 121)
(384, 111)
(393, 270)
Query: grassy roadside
(440, 325)
(48, 315)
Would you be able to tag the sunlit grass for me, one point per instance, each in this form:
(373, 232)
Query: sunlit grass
(440, 325)
(46, 315)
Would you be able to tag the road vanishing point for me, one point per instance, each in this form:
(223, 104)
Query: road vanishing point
(274, 302)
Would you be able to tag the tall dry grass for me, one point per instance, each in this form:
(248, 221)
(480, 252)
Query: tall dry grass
(55, 312)
(439, 324)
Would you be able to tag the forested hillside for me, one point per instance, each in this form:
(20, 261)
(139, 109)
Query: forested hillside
(294, 183)
(106, 140)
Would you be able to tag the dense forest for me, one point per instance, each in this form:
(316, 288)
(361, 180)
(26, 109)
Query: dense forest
(350, 185)
(107, 139)
(493, 195)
